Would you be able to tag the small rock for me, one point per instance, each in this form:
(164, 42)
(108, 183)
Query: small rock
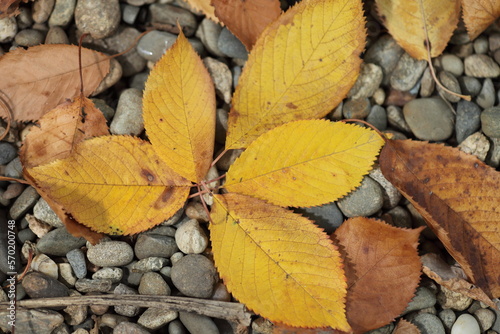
(76, 259)
(468, 119)
(8, 29)
(450, 82)
(452, 64)
(45, 321)
(14, 169)
(208, 32)
(198, 324)
(58, 242)
(138, 81)
(29, 37)
(369, 79)
(130, 13)
(390, 194)
(66, 275)
(62, 13)
(126, 310)
(448, 317)
(494, 41)
(149, 264)
(454, 300)
(194, 275)
(113, 274)
(485, 317)
(110, 254)
(13, 190)
(493, 159)
(399, 217)
(358, 109)
(153, 284)
(427, 83)
(153, 245)
(195, 210)
(45, 265)
(469, 85)
(364, 201)
(130, 277)
(377, 117)
(327, 217)
(23, 203)
(490, 122)
(155, 318)
(486, 97)
(106, 110)
(38, 285)
(480, 45)
(93, 285)
(75, 314)
(26, 235)
(396, 119)
(176, 327)
(476, 144)
(168, 231)
(24, 19)
(128, 118)
(230, 45)
(56, 35)
(7, 153)
(176, 257)
(42, 211)
(429, 118)
(481, 66)
(112, 320)
(424, 298)
(98, 18)
(385, 52)
(228, 159)
(407, 73)
(42, 10)
(126, 327)
(379, 96)
(115, 74)
(428, 324)
(190, 237)
(153, 45)
(168, 16)
(221, 76)
(466, 324)
(39, 228)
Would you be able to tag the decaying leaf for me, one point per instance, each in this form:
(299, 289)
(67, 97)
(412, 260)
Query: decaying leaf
(405, 327)
(278, 263)
(379, 258)
(305, 163)
(405, 21)
(10, 7)
(479, 14)
(205, 7)
(104, 182)
(458, 196)
(179, 111)
(247, 19)
(36, 80)
(301, 67)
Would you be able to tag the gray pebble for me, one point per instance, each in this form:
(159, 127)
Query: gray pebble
(149, 264)
(7, 153)
(481, 66)
(141, 2)
(452, 64)
(42, 10)
(43, 212)
(128, 118)
(168, 231)
(494, 41)
(448, 317)
(168, 16)
(490, 122)
(23, 203)
(8, 29)
(155, 318)
(130, 277)
(485, 317)
(468, 119)
(29, 37)
(148, 245)
(106, 110)
(93, 285)
(493, 159)
(424, 298)
(56, 35)
(198, 324)
(110, 254)
(114, 74)
(385, 52)
(153, 284)
(113, 274)
(429, 324)
(126, 327)
(399, 217)
(449, 81)
(377, 117)
(45, 321)
(469, 85)
(130, 13)
(396, 119)
(176, 327)
(76, 259)
(231, 46)
(62, 13)
(154, 44)
(407, 73)
(364, 201)
(221, 76)
(391, 195)
(486, 97)
(359, 108)
(463, 50)
(26, 235)
(427, 83)
(190, 237)
(98, 18)
(208, 32)
(480, 45)
(496, 56)
(369, 79)
(45, 265)
(328, 216)
(460, 37)
(476, 144)
(24, 19)
(126, 310)
(454, 300)
(38, 285)
(138, 81)
(429, 118)
(58, 242)
(194, 275)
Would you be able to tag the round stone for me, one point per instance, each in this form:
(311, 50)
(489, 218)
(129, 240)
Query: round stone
(154, 318)
(56, 35)
(8, 29)
(77, 260)
(98, 18)
(128, 117)
(93, 285)
(7, 153)
(364, 201)
(153, 284)
(126, 310)
(407, 73)
(429, 324)
(485, 317)
(481, 66)
(59, 242)
(196, 323)
(208, 32)
(149, 245)
(450, 82)
(24, 202)
(466, 324)
(385, 52)
(168, 16)
(468, 119)
(110, 254)
(448, 317)
(153, 45)
(42, 10)
(424, 298)
(490, 122)
(427, 84)
(452, 64)
(190, 237)
(429, 118)
(29, 37)
(194, 275)
(480, 45)
(328, 216)
(359, 108)
(63, 12)
(469, 85)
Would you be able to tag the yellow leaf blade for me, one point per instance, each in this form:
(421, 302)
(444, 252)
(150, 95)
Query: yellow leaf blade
(278, 263)
(179, 111)
(301, 67)
(305, 163)
(114, 185)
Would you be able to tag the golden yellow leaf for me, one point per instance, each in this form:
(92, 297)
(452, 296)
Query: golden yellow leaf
(114, 185)
(305, 163)
(405, 21)
(278, 263)
(479, 14)
(205, 7)
(301, 67)
(179, 111)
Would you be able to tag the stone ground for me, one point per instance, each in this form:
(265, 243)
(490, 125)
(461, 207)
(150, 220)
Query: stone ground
(394, 92)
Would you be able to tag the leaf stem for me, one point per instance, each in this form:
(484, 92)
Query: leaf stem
(218, 157)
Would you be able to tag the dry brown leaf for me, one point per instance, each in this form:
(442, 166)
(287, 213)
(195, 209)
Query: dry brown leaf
(405, 327)
(247, 19)
(37, 80)
(10, 7)
(479, 14)
(458, 196)
(447, 276)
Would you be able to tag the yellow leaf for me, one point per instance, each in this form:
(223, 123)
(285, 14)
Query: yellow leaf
(405, 21)
(114, 185)
(301, 67)
(479, 14)
(305, 163)
(278, 263)
(179, 111)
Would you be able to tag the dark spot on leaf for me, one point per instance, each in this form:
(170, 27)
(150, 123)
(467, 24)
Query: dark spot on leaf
(291, 105)
(164, 197)
(426, 180)
(476, 165)
(146, 174)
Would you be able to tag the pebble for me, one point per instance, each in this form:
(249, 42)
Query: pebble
(168, 231)
(7, 153)
(195, 210)
(93, 285)
(45, 265)
(385, 52)
(228, 159)
(58, 242)
(359, 108)
(468, 119)
(194, 275)
(496, 56)
(25, 235)
(469, 85)
(168, 16)
(138, 81)
(56, 35)
(13, 190)
(407, 73)
(399, 217)
(428, 324)
(176, 327)
(176, 257)
(424, 298)
(110, 254)
(221, 76)
(125, 310)
(190, 237)
(490, 122)
(230, 45)
(452, 64)
(427, 83)
(29, 37)
(494, 41)
(153, 45)
(42, 211)
(38, 285)
(449, 81)
(41, 10)
(153, 284)
(45, 321)
(76, 314)
(130, 277)
(76, 259)
(448, 318)
(115, 74)
(112, 320)
(98, 18)
(128, 117)
(364, 201)
(328, 216)
(198, 324)
(63, 12)
(208, 32)
(391, 195)
(377, 117)
(130, 13)
(486, 97)
(149, 264)
(480, 45)
(23, 203)
(396, 119)
(106, 110)
(476, 144)
(454, 300)
(14, 169)
(39, 228)
(113, 274)
(155, 318)
(429, 118)
(466, 324)
(494, 157)
(66, 275)
(8, 29)
(481, 66)
(485, 317)
(126, 327)
(369, 79)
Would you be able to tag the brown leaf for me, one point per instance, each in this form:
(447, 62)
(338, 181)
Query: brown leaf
(479, 14)
(405, 327)
(37, 80)
(379, 258)
(458, 196)
(10, 8)
(452, 278)
(247, 19)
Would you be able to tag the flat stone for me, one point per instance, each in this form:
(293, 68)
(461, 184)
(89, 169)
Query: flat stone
(29, 37)
(208, 32)
(113, 274)
(148, 245)
(190, 237)
(154, 318)
(14, 169)
(58, 242)
(486, 97)
(110, 254)
(93, 285)
(429, 118)
(42, 211)
(490, 122)
(62, 14)
(407, 73)
(396, 119)
(41, 10)
(377, 117)
(13, 190)
(76, 259)
(469, 85)
(385, 52)
(481, 66)
(424, 298)
(328, 216)
(130, 13)
(168, 16)
(176, 327)
(369, 79)
(364, 201)
(98, 18)
(198, 324)
(428, 324)
(7, 153)
(448, 317)
(153, 45)
(56, 35)
(194, 275)
(468, 119)
(149, 264)
(449, 81)
(427, 83)
(485, 317)
(126, 327)
(128, 117)
(153, 284)
(231, 46)
(66, 275)
(23, 203)
(38, 285)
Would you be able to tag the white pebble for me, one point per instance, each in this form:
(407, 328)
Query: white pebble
(190, 237)
(466, 324)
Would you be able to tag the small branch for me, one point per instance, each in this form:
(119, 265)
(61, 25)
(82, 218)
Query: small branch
(218, 158)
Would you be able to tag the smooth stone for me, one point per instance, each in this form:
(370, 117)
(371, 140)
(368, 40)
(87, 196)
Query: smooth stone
(130, 277)
(45, 265)
(63, 12)
(490, 122)
(194, 275)
(385, 52)
(198, 324)
(23, 203)
(221, 76)
(168, 16)
(369, 79)
(485, 317)
(228, 159)
(154, 318)
(43, 212)
(407, 73)
(98, 18)
(126, 310)
(399, 217)
(476, 144)
(480, 45)
(427, 83)
(452, 64)
(453, 300)
(230, 45)
(196, 210)
(7, 153)
(41, 10)
(14, 169)
(149, 245)
(465, 324)
(428, 324)
(377, 117)
(424, 298)
(66, 275)
(75, 314)
(168, 231)
(106, 110)
(58, 242)
(448, 317)
(110, 254)
(449, 81)
(481, 66)
(429, 118)
(208, 32)
(190, 237)
(141, 2)
(130, 13)
(56, 35)
(13, 190)
(494, 41)
(391, 195)
(8, 29)
(26, 235)
(93, 285)
(128, 117)
(469, 85)
(27, 321)
(29, 37)
(113, 274)
(396, 119)
(486, 97)
(24, 18)
(138, 81)
(153, 45)
(176, 257)
(76, 259)
(153, 284)
(468, 119)
(358, 109)
(364, 200)
(115, 74)
(38, 285)
(176, 327)
(149, 264)
(327, 216)
(126, 327)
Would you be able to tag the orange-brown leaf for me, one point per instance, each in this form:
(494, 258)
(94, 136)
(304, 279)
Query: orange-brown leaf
(203, 6)
(479, 14)
(37, 80)
(458, 196)
(247, 19)
(379, 258)
(10, 8)
(405, 327)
